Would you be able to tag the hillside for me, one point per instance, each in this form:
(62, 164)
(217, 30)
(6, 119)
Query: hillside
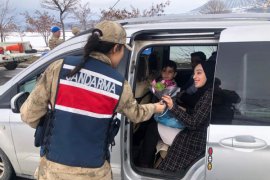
(241, 6)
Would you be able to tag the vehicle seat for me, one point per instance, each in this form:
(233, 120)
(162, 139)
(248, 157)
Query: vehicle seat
(182, 77)
(142, 94)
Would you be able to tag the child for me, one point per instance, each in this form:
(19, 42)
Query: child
(154, 130)
(165, 83)
(168, 126)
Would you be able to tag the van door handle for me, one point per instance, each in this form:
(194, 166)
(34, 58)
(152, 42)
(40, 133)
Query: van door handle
(227, 142)
(248, 142)
(244, 141)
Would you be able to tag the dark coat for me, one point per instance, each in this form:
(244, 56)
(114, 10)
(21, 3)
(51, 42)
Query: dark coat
(190, 143)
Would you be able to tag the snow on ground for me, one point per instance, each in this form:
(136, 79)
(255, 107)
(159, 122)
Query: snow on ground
(35, 39)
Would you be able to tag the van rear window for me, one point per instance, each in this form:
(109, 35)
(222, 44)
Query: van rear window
(241, 94)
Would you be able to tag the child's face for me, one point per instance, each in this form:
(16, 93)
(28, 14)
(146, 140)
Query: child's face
(168, 73)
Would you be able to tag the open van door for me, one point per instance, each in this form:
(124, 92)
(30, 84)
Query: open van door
(151, 48)
(239, 133)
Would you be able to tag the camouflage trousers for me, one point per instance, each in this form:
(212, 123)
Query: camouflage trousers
(49, 170)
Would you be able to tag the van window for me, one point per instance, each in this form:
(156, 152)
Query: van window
(122, 66)
(241, 93)
(28, 86)
(181, 54)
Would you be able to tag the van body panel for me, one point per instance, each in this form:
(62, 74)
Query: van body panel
(246, 33)
(238, 140)
(6, 142)
(230, 162)
(28, 155)
(133, 28)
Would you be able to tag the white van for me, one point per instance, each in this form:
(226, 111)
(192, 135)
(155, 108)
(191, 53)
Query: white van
(238, 137)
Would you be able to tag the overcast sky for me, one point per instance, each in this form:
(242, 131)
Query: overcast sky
(175, 7)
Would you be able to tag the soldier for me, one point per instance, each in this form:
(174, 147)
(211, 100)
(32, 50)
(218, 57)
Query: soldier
(55, 38)
(75, 30)
(84, 100)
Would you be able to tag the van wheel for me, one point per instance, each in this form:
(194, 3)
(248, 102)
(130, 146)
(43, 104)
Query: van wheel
(11, 65)
(6, 169)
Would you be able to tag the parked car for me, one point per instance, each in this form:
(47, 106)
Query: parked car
(238, 137)
(13, 53)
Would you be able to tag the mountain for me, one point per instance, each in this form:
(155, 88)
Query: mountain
(241, 6)
(242, 3)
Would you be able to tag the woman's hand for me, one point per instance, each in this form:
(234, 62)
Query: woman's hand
(168, 101)
(160, 107)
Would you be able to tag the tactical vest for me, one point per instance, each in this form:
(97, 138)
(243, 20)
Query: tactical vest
(85, 104)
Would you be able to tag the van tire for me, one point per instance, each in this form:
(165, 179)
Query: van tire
(11, 65)
(6, 169)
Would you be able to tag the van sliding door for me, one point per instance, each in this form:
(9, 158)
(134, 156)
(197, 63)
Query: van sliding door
(239, 132)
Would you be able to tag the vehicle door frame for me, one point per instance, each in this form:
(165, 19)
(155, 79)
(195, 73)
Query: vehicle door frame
(128, 169)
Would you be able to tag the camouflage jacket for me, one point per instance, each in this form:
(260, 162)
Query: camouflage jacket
(53, 42)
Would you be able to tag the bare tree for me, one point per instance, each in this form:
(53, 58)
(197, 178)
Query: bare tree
(117, 14)
(266, 4)
(7, 23)
(62, 6)
(21, 31)
(41, 22)
(83, 13)
(214, 7)
(156, 10)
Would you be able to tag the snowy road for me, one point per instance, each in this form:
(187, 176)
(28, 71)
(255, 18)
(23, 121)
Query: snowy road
(5, 75)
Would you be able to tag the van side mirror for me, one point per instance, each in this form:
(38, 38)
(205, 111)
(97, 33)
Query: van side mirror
(17, 101)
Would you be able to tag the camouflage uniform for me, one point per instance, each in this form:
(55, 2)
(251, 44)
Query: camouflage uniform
(49, 170)
(54, 41)
(36, 106)
(75, 31)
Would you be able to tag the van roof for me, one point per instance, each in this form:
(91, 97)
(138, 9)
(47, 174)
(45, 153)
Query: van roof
(197, 18)
(205, 21)
(216, 22)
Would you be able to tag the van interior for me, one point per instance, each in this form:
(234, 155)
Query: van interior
(148, 67)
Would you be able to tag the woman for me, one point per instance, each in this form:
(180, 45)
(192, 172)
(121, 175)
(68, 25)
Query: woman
(85, 93)
(190, 143)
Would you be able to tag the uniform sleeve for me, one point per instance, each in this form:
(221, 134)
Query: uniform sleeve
(59, 41)
(199, 115)
(51, 44)
(36, 104)
(129, 107)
